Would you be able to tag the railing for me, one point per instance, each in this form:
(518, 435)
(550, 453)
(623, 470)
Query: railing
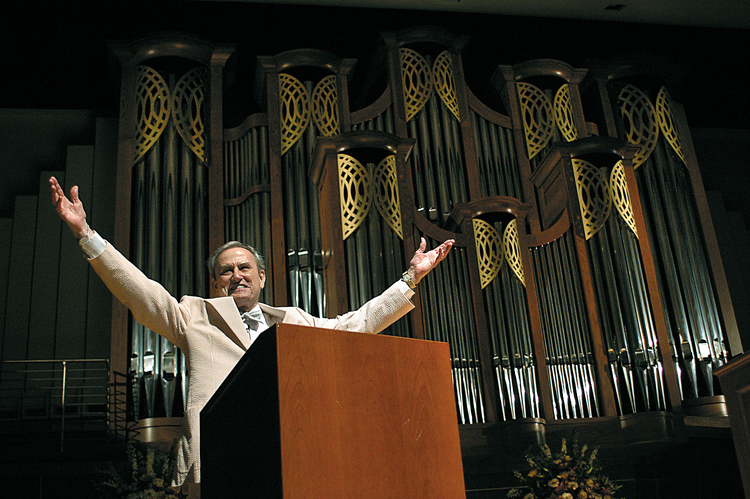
(121, 420)
(49, 396)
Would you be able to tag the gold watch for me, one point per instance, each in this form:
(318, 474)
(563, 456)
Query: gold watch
(407, 278)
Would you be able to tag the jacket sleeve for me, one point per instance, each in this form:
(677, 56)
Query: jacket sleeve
(373, 317)
(150, 303)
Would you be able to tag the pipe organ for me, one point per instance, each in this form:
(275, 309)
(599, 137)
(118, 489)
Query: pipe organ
(164, 212)
(585, 281)
(169, 219)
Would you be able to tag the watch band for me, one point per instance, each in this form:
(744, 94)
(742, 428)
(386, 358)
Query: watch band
(406, 277)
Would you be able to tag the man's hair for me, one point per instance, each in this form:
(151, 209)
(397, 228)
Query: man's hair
(260, 262)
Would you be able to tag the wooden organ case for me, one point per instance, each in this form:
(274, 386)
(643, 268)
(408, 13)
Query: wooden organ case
(585, 289)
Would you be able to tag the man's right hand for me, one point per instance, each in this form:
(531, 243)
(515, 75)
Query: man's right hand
(70, 210)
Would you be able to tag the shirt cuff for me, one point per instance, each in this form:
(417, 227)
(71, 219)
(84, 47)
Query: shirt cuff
(405, 289)
(93, 246)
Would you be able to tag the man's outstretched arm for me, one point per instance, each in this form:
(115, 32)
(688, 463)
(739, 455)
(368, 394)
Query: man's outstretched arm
(151, 304)
(384, 309)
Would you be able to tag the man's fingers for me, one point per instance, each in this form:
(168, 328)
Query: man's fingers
(54, 190)
(443, 249)
(57, 193)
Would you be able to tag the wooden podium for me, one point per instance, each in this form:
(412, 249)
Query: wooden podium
(735, 383)
(314, 413)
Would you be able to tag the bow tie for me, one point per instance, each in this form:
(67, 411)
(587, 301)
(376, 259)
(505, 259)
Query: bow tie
(252, 318)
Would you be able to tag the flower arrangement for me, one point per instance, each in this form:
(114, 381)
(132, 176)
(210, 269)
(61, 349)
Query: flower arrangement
(147, 475)
(563, 475)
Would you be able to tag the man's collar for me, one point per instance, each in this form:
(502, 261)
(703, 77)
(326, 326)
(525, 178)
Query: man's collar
(228, 318)
(274, 314)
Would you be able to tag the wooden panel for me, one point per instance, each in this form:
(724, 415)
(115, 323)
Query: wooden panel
(101, 210)
(42, 309)
(551, 192)
(6, 226)
(369, 416)
(8, 347)
(101, 216)
(19, 283)
(245, 410)
(43, 318)
(72, 289)
(725, 305)
(735, 383)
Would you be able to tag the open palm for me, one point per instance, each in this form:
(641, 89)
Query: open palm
(70, 210)
(423, 262)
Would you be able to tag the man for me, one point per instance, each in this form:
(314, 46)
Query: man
(214, 333)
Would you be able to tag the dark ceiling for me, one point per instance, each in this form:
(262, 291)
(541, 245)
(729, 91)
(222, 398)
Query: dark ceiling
(704, 13)
(54, 55)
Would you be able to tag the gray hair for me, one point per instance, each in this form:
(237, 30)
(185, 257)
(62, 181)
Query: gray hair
(211, 262)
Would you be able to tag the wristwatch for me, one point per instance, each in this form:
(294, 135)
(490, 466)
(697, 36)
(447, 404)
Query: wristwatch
(85, 237)
(406, 277)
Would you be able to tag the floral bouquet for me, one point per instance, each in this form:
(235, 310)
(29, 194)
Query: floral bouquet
(569, 474)
(148, 477)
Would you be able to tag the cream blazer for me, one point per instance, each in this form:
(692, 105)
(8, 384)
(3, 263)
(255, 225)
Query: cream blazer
(211, 334)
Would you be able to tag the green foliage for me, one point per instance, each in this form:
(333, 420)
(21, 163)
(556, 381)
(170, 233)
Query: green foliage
(147, 475)
(568, 474)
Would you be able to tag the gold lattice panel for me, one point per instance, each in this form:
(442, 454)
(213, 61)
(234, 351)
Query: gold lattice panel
(385, 194)
(354, 193)
(445, 85)
(325, 109)
(618, 188)
(538, 117)
(564, 114)
(512, 250)
(642, 128)
(666, 121)
(593, 196)
(489, 251)
(295, 110)
(152, 109)
(188, 101)
(417, 81)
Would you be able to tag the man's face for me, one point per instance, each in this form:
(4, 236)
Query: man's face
(237, 276)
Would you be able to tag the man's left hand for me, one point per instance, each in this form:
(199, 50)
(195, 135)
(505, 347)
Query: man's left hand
(422, 263)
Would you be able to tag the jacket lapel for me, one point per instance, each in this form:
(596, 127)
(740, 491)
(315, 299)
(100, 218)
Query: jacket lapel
(223, 313)
(273, 315)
